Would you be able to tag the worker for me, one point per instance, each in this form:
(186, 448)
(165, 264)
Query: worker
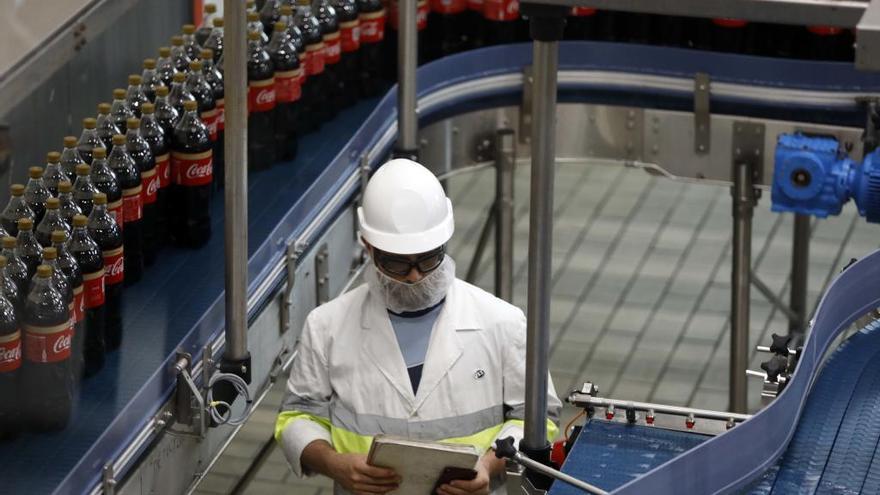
(413, 352)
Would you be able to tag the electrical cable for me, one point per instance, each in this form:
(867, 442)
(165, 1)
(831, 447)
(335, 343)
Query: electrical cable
(241, 387)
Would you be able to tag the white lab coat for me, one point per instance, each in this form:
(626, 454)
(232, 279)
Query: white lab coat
(349, 369)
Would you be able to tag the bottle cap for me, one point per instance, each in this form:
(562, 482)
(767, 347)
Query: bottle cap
(195, 65)
(53, 157)
(99, 153)
(103, 108)
(58, 236)
(16, 189)
(35, 172)
(253, 17)
(303, 2)
(161, 90)
(254, 35)
(118, 94)
(83, 169)
(50, 253)
(210, 8)
(65, 186)
(134, 80)
(89, 123)
(164, 51)
(25, 223)
(69, 141)
(286, 10)
(190, 105)
(9, 242)
(218, 22)
(2, 261)
(118, 139)
(179, 77)
(44, 271)
(149, 63)
(99, 198)
(207, 54)
(148, 108)
(80, 220)
(133, 123)
(280, 26)
(189, 29)
(52, 203)
(177, 40)
(251, 3)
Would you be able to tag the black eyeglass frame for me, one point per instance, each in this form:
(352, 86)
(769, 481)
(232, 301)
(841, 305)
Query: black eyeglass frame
(382, 259)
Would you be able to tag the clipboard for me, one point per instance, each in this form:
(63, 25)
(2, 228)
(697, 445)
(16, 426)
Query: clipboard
(420, 464)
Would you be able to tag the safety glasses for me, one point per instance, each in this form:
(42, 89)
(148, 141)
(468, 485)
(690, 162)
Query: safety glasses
(400, 265)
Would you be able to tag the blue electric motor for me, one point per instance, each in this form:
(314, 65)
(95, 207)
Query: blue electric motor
(813, 176)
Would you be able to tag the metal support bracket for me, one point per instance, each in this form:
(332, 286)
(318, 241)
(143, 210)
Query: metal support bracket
(748, 148)
(322, 275)
(190, 407)
(108, 479)
(290, 257)
(525, 109)
(702, 116)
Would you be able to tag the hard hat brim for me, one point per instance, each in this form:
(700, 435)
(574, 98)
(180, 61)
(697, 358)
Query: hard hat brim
(411, 243)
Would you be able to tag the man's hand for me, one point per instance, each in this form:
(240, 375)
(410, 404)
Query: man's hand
(488, 466)
(352, 472)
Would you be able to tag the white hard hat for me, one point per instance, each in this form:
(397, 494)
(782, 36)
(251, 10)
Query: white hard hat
(405, 210)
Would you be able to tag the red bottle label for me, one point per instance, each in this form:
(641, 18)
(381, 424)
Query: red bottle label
(583, 11)
(10, 352)
(114, 268)
(79, 305)
(221, 114)
(288, 85)
(48, 344)
(332, 48)
(93, 289)
(163, 170)
(449, 6)
(314, 59)
(730, 23)
(115, 209)
(132, 204)
(501, 10)
(261, 95)
(149, 186)
(421, 14)
(210, 118)
(372, 27)
(351, 36)
(192, 169)
(476, 5)
(824, 30)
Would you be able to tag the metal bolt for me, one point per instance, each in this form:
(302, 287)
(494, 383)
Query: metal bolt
(423, 142)
(737, 152)
(655, 149)
(630, 124)
(701, 147)
(455, 130)
(631, 113)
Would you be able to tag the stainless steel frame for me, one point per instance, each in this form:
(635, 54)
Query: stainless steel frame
(407, 58)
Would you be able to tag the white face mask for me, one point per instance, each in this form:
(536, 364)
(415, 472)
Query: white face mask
(403, 297)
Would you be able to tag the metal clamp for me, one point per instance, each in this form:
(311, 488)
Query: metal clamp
(702, 116)
(290, 258)
(190, 407)
(525, 108)
(322, 275)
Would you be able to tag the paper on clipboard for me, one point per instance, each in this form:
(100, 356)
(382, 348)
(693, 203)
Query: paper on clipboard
(419, 463)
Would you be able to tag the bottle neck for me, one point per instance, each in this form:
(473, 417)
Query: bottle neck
(99, 209)
(25, 236)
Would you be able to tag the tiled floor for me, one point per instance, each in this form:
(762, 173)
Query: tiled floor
(641, 271)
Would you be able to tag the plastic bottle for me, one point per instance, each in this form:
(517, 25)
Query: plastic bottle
(165, 69)
(105, 231)
(154, 135)
(261, 105)
(335, 84)
(89, 258)
(215, 79)
(105, 180)
(10, 360)
(288, 90)
(129, 178)
(350, 45)
(446, 32)
(51, 222)
(166, 115)
(134, 95)
(372, 59)
(70, 158)
(190, 45)
(215, 39)
(89, 139)
(207, 24)
(16, 209)
(26, 246)
(141, 152)
(67, 207)
(106, 128)
(52, 174)
(150, 79)
(36, 193)
(16, 269)
(179, 93)
(84, 189)
(178, 54)
(120, 111)
(191, 173)
(68, 265)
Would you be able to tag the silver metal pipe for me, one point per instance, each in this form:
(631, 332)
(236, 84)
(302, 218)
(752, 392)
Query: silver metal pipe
(407, 59)
(800, 270)
(546, 63)
(583, 400)
(744, 200)
(505, 168)
(235, 205)
(521, 459)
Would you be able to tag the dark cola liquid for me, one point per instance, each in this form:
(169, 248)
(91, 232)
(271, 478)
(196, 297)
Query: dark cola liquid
(10, 370)
(152, 132)
(372, 17)
(105, 181)
(192, 176)
(315, 90)
(261, 106)
(47, 373)
(288, 93)
(582, 24)
(502, 23)
(17, 272)
(142, 154)
(129, 178)
(215, 79)
(332, 39)
(88, 257)
(349, 32)
(104, 230)
(447, 28)
(29, 251)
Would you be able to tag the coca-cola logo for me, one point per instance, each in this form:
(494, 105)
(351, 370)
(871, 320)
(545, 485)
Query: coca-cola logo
(422, 16)
(12, 355)
(333, 50)
(199, 171)
(371, 29)
(153, 186)
(356, 34)
(513, 7)
(265, 97)
(116, 269)
(62, 344)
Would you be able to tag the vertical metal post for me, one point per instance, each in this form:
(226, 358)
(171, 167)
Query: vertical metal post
(744, 200)
(407, 59)
(235, 205)
(546, 63)
(800, 269)
(505, 166)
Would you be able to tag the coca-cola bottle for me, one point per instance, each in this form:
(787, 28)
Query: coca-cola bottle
(10, 358)
(90, 261)
(36, 193)
(142, 154)
(16, 209)
(178, 54)
(8, 287)
(191, 174)
(315, 91)
(269, 15)
(47, 374)
(261, 105)
(502, 22)
(190, 45)
(198, 86)
(826, 43)
(70, 268)
(165, 69)
(158, 187)
(102, 227)
(215, 39)
(67, 206)
(255, 26)
(582, 24)
(51, 222)
(16, 269)
(84, 189)
(129, 178)
(215, 79)
(371, 14)
(89, 139)
(730, 35)
(105, 180)
(52, 174)
(166, 115)
(288, 90)
(120, 111)
(295, 37)
(446, 28)
(62, 285)
(473, 23)
(150, 79)
(350, 35)
(70, 158)
(329, 22)
(27, 247)
(106, 127)
(391, 36)
(134, 95)
(179, 93)
(205, 27)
